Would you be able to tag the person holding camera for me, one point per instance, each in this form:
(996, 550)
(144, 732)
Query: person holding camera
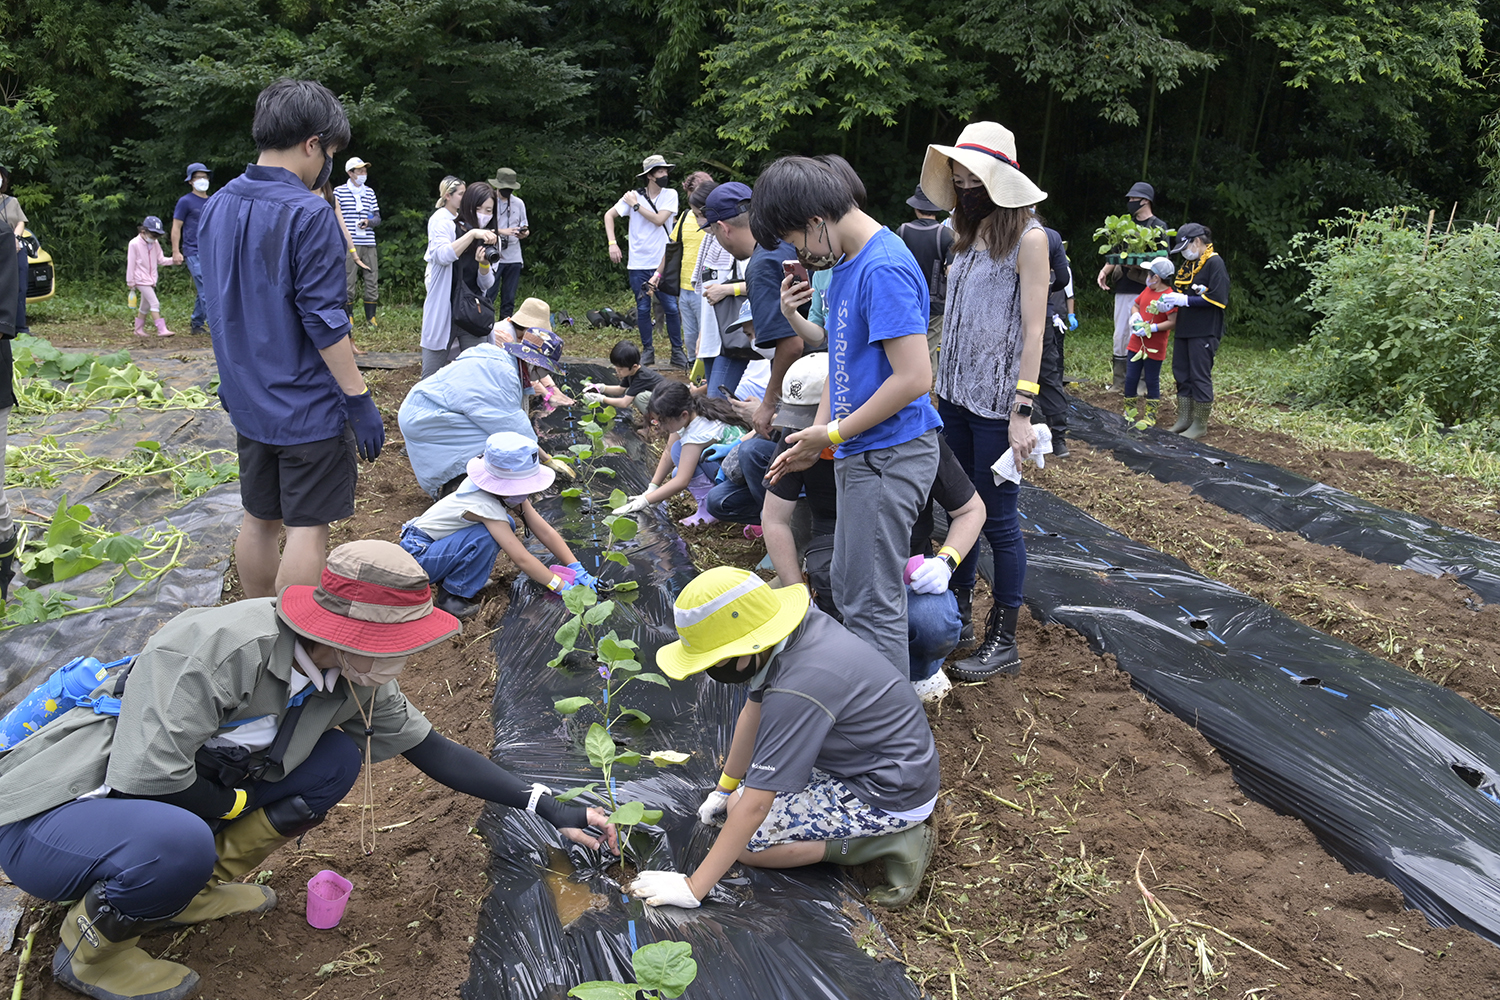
(360, 212)
(513, 226)
(474, 271)
(445, 247)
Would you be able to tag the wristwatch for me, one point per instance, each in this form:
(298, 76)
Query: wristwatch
(947, 557)
(1023, 409)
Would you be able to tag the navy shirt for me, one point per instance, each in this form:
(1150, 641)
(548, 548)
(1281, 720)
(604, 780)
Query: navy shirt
(189, 209)
(763, 281)
(273, 278)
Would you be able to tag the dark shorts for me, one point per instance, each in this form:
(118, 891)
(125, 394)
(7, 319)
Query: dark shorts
(301, 485)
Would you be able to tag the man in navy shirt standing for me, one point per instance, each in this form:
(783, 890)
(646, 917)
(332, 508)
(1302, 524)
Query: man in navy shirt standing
(273, 275)
(185, 219)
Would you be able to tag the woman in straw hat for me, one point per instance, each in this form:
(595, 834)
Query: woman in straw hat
(991, 353)
(240, 727)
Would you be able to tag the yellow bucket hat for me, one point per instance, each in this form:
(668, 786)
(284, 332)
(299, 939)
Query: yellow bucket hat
(727, 612)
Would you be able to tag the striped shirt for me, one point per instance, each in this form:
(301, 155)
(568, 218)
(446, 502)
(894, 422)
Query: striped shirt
(356, 203)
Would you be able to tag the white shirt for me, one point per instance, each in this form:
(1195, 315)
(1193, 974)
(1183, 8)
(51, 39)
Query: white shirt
(447, 515)
(648, 241)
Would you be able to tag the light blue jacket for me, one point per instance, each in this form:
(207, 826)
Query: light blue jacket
(446, 418)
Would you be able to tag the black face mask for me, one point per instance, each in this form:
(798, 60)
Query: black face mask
(323, 174)
(665, 180)
(975, 202)
(725, 672)
(1133, 205)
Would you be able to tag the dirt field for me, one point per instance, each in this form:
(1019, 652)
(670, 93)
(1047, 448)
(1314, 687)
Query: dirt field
(1058, 789)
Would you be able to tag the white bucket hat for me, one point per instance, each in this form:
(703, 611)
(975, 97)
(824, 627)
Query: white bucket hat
(989, 150)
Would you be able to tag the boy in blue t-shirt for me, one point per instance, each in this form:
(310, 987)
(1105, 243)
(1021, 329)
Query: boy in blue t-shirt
(883, 424)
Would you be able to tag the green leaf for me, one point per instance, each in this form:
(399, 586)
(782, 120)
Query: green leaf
(599, 612)
(581, 450)
(663, 758)
(149, 445)
(573, 793)
(617, 557)
(654, 679)
(567, 706)
(116, 548)
(630, 758)
(635, 713)
(628, 814)
(612, 647)
(604, 470)
(599, 990)
(28, 606)
(618, 498)
(599, 746)
(614, 449)
(607, 415)
(627, 585)
(666, 966)
(624, 528)
(629, 666)
(651, 816)
(567, 633)
(572, 493)
(579, 599)
(67, 524)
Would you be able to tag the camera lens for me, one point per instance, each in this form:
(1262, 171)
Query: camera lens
(491, 254)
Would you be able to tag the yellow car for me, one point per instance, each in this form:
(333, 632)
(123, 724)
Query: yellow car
(41, 280)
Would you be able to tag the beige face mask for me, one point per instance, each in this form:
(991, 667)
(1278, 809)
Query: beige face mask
(382, 670)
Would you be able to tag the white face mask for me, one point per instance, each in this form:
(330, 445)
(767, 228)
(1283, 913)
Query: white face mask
(1192, 253)
(484, 218)
(358, 179)
(200, 185)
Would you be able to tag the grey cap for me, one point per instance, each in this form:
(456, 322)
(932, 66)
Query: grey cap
(1162, 267)
(1140, 189)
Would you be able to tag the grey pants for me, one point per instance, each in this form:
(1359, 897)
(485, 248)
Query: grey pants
(888, 487)
(433, 360)
(355, 276)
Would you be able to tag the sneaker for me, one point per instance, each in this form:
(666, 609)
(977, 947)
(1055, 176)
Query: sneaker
(934, 689)
(648, 357)
(1060, 448)
(456, 606)
(199, 331)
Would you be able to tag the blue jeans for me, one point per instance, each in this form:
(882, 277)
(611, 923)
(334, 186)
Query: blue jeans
(725, 376)
(153, 857)
(934, 626)
(638, 281)
(1151, 368)
(977, 443)
(507, 280)
(742, 502)
(688, 305)
(461, 563)
(200, 310)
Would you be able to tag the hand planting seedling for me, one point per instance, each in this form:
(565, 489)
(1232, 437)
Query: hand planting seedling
(663, 969)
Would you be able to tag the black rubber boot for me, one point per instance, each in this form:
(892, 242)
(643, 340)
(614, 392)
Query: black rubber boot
(680, 360)
(997, 654)
(1118, 385)
(1060, 445)
(965, 597)
(370, 313)
(7, 564)
(458, 607)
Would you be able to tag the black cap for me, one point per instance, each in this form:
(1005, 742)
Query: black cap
(921, 202)
(1140, 189)
(1191, 232)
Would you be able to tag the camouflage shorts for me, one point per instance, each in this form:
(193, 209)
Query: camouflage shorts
(825, 810)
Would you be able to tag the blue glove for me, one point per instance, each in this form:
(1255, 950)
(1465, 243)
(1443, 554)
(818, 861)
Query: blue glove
(1072, 321)
(1173, 300)
(583, 577)
(716, 453)
(369, 430)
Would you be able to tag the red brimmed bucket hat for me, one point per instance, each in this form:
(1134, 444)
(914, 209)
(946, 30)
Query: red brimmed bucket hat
(374, 599)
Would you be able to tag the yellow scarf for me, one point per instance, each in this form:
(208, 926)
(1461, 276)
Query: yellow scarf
(1184, 282)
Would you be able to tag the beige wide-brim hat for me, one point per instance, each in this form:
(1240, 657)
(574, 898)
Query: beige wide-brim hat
(654, 162)
(534, 313)
(989, 150)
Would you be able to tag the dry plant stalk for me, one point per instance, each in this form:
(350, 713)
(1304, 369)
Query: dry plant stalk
(357, 961)
(1168, 931)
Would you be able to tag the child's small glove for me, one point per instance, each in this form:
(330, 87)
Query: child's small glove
(1072, 321)
(716, 452)
(1174, 300)
(931, 577)
(593, 397)
(583, 577)
(660, 888)
(633, 505)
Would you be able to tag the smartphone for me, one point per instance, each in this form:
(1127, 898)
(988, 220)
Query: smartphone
(795, 269)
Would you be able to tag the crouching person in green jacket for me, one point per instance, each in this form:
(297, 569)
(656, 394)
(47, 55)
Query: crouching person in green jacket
(239, 728)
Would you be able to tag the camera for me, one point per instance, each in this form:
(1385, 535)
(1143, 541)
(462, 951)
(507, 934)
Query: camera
(492, 253)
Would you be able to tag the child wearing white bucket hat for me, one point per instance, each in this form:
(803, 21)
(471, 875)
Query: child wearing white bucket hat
(458, 539)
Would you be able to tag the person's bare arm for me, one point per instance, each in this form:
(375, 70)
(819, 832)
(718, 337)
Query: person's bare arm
(687, 464)
(177, 257)
(964, 525)
(609, 234)
(794, 295)
(1033, 274)
(788, 349)
(652, 215)
(749, 812)
(516, 549)
(340, 361)
(776, 526)
(1106, 274)
(547, 535)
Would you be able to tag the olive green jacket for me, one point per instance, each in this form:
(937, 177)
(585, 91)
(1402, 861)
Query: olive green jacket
(206, 669)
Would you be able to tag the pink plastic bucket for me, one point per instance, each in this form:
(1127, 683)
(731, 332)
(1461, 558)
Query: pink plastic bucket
(327, 895)
(567, 575)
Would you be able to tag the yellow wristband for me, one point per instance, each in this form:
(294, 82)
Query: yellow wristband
(613, 243)
(554, 584)
(240, 798)
(833, 432)
(951, 551)
(1030, 387)
(726, 783)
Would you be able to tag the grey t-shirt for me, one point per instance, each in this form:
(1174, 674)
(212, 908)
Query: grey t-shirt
(831, 701)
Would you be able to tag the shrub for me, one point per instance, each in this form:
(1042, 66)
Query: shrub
(1403, 315)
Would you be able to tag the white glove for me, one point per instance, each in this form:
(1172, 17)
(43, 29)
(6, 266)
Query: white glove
(634, 504)
(664, 889)
(931, 577)
(715, 808)
(1005, 467)
(593, 387)
(1173, 300)
(593, 397)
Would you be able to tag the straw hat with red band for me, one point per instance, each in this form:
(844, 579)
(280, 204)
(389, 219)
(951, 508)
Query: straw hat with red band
(989, 150)
(373, 600)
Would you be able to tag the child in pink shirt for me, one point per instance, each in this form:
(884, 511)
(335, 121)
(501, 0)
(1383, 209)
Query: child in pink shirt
(143, 255)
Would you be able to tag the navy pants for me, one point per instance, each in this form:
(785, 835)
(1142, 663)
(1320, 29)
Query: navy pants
(1053, 400)
(1193, 367)
(638, 281)
(1151, 369)
(509, 279)
(977, 443)
(152, 857)
(742, 502)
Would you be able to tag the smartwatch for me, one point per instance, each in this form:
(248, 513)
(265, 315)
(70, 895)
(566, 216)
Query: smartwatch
(1023, 409)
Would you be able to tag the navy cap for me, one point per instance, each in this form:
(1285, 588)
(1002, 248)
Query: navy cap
(152, 224)
(193, 168)
(922, 203)
(724, 201)
(1140, 189)
(1190, 232)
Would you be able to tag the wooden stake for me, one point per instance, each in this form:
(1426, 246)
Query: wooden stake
(1431, 215)
(1450, 218)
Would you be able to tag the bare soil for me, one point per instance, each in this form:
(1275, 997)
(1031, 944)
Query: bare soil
(1058, 788)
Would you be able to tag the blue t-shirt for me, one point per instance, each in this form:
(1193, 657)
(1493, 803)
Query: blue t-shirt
(878, 295)
(273, 281)
(763, 281)
(189, 208)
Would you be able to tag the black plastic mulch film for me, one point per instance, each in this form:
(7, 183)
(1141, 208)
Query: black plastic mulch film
(1286, 501)
(1396, 775)
(553, 920)
(135, 506)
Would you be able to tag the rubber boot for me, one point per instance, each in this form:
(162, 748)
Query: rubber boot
(241, 846)
(370, 314)
(161, 328)
(1199, 426)
(1148, 415)
(997, 654)
(98, 956)
(7, 564)
(1184, 415)
(1131, 413)
(1118, 385)
(906, 854)
(140, 325)
(699, 488)
(965, 597)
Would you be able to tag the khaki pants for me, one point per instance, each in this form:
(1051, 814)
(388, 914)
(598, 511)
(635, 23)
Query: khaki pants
(934, 340)
(353, 271)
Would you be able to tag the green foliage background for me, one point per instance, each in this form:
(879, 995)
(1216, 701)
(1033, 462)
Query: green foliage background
(1256, 120)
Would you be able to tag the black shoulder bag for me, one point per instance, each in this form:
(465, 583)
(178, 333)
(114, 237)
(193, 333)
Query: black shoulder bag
(473, 311)
(671, 263)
